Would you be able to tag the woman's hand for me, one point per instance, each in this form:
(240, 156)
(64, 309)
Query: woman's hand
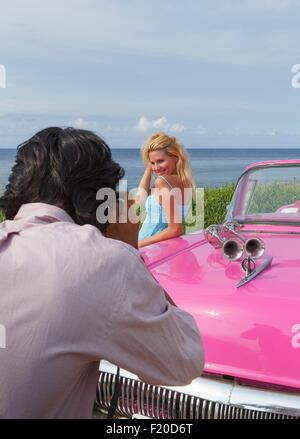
(144, 186)
(148, 168)
(148, 172)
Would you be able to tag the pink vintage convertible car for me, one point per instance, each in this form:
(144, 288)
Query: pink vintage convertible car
(241, 282)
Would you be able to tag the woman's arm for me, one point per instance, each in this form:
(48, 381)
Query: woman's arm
(169, 232)
(144, 186)
(168, 203)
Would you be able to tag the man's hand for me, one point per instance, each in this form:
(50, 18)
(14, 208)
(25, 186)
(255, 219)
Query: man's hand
(125, 231)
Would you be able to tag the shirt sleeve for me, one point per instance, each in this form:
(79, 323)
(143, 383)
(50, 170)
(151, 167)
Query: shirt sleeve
(150, 337)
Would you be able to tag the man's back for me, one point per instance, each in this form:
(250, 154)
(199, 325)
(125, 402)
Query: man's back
(71, 297)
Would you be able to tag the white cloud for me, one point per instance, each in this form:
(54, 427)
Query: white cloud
(160, 123)
(81, 123)
(177, 127)
(144, 124)
(200, 131)
(272, 133)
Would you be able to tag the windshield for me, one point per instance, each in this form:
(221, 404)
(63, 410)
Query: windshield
(270, 194)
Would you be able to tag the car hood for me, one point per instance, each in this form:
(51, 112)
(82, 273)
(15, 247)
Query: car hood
(251, 332)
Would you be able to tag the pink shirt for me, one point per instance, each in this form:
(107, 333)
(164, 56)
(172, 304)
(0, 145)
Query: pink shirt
(70, 297)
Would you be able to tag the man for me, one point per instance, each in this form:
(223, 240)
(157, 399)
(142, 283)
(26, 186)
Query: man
(70, 294)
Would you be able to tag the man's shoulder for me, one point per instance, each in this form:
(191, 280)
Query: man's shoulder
(87, 238)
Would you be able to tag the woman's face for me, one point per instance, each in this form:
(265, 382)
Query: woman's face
(162, 163)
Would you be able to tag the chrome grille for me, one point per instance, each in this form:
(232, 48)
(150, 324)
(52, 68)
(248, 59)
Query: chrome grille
(163, 403)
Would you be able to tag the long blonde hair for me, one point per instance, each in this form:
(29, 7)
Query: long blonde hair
(163, 142)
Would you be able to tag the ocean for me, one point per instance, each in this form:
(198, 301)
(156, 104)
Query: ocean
(211, 167)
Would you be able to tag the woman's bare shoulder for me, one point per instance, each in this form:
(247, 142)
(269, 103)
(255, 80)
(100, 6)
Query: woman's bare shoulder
(173, 180)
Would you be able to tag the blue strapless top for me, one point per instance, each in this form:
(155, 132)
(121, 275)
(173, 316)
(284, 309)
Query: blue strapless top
(156, 220)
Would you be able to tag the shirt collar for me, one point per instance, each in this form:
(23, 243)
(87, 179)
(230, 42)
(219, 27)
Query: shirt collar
(42, 211)
(32, 214)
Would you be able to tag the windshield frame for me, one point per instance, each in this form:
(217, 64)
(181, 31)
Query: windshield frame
(256, 220)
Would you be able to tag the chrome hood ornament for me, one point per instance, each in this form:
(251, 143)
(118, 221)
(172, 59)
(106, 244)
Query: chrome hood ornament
(254, 271)
(228, 237)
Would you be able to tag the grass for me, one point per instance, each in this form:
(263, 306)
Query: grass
(269, 197)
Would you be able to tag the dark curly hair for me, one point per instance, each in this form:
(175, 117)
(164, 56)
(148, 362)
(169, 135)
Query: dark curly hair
(64, 167)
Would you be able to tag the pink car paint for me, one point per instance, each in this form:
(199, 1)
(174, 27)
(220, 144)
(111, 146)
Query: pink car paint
(251, 332)
(269, 163)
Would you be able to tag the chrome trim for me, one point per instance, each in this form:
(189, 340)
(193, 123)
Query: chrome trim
(147, 400)
(153, 402)
(174, 395)
(185, 405)
(133, 396)
(255, 272)
(192, 407)
(284, 403)
(271, 222)
(210, 409)
(163, 403)
(272, 232)
(181, 399)
(104, 392)
(204, 410)
(197, 408)
(205, 397)
(142, 399)
(123, 398)
(169, 404)
(127, 387)
(139, 399)
(108, 384)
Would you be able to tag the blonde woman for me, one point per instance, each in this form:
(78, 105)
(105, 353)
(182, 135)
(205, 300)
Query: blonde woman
(169, 201)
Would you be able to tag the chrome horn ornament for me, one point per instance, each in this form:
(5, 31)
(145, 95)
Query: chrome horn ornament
(232, 248)
(228, 237)
(254, 247)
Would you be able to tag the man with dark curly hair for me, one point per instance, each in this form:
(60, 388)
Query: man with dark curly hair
(71, 294)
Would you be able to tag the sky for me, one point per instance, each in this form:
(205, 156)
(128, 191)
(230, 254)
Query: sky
(214, 73)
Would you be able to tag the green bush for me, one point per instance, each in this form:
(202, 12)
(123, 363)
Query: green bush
(2, 216)
(216, 200)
